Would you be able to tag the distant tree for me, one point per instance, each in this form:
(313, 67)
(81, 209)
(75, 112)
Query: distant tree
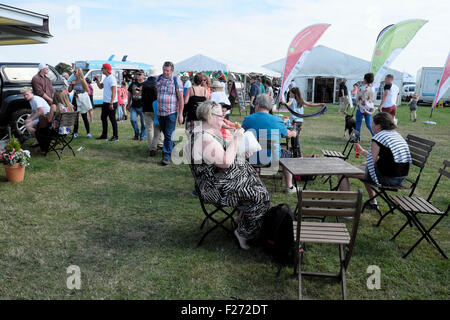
(63, 67)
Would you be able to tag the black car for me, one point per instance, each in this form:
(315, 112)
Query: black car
(14, 109)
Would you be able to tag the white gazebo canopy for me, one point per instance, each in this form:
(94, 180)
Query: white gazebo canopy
(327, 62)
(201, 63)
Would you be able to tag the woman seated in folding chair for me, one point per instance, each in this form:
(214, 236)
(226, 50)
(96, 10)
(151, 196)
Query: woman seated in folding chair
(62, 104)
(388, 160)
(224, 178)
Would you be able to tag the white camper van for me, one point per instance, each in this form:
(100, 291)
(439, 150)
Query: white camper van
(427, 82)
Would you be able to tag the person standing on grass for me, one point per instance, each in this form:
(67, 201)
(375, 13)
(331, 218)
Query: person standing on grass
(195, 95)
(136, 105)
(413, 107)
(170, 101)
(389, 101)
(255, 90)
(82, 102)
(366, 104)
(109, 106)
(296, 103)
(149, 97)
(91, 97)
(343, 96)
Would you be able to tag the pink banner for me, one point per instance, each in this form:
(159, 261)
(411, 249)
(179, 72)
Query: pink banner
(299, 48)
(444, 84)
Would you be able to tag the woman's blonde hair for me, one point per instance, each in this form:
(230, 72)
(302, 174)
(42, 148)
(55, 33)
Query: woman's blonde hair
(208, 80)
(204, 110)
(60, 97)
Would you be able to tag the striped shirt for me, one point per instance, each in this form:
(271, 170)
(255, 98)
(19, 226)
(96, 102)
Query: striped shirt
(392, 140)
(167, 95)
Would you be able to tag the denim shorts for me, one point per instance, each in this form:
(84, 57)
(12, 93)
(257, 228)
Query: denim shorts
(383, 180)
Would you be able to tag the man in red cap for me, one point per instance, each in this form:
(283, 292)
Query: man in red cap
(109, 107)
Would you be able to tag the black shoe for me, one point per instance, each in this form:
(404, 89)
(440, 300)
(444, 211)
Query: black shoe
(114, 139)
(152, 153)
(165, 162)
(101, 138)
(136, 138)
(372, 206)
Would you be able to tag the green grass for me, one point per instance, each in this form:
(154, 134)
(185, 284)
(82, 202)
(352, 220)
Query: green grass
(132, 227)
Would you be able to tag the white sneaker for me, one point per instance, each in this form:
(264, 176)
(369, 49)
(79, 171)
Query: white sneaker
(290, 190)
(242, 241)
(75, 135)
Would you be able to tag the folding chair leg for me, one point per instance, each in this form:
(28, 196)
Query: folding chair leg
(426, 235)
(401, 229)
(342, 274)
(300, 297)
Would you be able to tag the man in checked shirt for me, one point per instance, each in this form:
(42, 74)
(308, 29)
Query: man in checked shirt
(170, 107)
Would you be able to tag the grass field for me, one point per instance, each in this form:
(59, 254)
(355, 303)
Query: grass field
(132, 227)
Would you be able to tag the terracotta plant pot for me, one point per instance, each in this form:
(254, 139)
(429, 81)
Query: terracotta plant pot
(15, 173)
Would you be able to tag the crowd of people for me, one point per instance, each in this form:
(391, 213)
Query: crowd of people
(226, 175)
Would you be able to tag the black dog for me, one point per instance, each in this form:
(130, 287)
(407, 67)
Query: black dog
(350, 124)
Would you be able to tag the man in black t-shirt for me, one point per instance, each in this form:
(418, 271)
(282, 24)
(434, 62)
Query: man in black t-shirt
(149, 97)
(343, 96)
(135, 105)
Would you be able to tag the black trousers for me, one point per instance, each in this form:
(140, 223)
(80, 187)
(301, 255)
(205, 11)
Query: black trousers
(86, 124)
(44, 137)
(111, 114)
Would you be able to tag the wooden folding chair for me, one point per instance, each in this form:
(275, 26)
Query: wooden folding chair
(345, 154)
(420, 150)
(412, 207)
(61, 142)
(211, 214)
(326, 203)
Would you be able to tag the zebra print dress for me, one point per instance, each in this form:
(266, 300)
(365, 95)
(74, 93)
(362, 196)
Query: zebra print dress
(238, 186)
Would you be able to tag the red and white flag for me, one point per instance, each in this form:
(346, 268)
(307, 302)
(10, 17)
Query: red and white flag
(298, 50)
(444, 84)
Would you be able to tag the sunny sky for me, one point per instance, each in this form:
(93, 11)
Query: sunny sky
(252, 32)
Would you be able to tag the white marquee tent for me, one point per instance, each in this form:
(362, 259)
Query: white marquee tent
(324, 69)
(201, 63)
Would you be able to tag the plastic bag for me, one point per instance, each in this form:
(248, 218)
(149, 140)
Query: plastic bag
(249, 144)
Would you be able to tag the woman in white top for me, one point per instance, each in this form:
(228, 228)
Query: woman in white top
(365, 99)
(81, 100)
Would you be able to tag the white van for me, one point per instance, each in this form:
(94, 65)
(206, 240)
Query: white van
(407, 91)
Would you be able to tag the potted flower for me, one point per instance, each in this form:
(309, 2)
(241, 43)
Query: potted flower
(14, 159)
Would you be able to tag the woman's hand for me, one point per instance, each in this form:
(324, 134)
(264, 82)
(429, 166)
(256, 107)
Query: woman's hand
(248, 154)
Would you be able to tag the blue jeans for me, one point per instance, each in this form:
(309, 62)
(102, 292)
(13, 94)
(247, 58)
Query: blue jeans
(167, 125)
(134, 112)
(368, 120)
